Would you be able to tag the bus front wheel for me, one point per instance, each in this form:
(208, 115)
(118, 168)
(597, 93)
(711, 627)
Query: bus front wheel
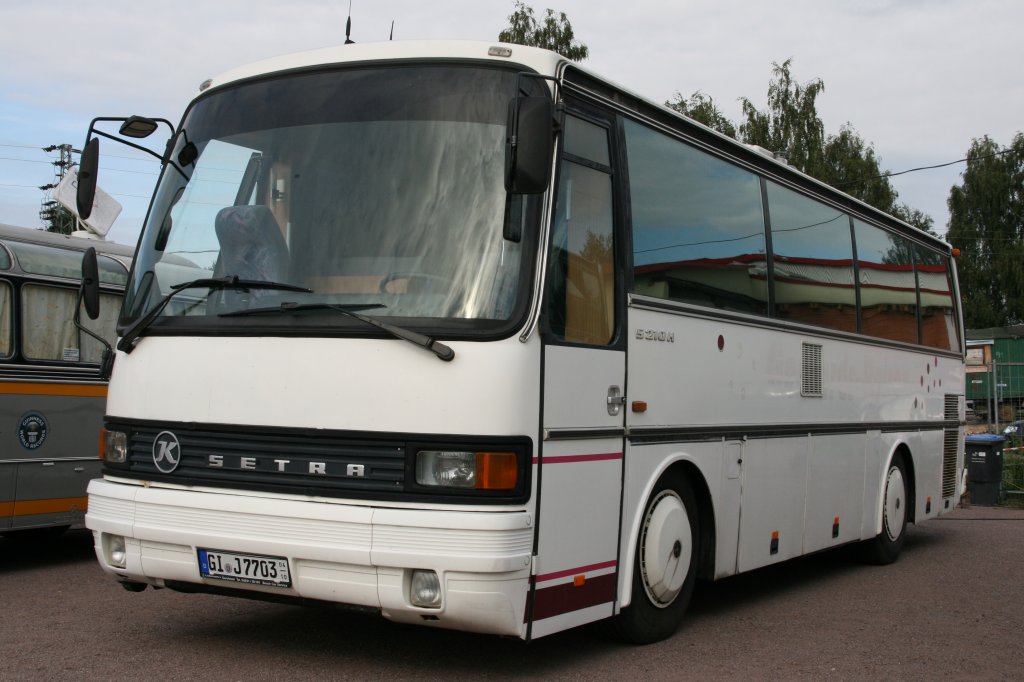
(664, 565)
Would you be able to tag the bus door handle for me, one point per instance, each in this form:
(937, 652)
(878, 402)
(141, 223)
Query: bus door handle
(49, 464)
(615, 400)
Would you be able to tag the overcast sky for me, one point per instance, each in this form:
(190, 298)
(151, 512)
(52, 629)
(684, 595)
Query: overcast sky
(917, 78)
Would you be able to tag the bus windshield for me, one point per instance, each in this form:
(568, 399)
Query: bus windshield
(378, 189)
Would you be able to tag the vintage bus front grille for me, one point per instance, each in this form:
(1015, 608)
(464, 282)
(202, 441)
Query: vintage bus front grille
(307, 462)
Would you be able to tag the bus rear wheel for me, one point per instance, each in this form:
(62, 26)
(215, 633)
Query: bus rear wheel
(664, 565)
(886, 546)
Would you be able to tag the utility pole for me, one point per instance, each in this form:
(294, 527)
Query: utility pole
(54, 216)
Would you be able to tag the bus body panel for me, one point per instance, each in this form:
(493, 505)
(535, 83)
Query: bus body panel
(48, 469)
(806, 473)
(374, 385)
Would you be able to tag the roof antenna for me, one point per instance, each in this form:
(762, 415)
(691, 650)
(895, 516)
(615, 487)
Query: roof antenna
(348, 25)
(392, 35)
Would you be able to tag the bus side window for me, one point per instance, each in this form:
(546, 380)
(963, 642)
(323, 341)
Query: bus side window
(6, 320)
(48, 332)
(888, 284)
(581, 270)
(698, 225)
(812, 259)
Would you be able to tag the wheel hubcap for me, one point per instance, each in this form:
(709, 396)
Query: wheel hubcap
(895, 505)
(666, 545)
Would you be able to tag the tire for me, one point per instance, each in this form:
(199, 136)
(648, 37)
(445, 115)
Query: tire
(886, 546)
(664, 564)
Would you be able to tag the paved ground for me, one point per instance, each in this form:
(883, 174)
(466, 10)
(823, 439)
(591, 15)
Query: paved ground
(952, 608)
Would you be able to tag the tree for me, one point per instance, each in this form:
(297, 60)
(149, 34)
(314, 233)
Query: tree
(986, 223)
(702, 108)
(791, 124)
(553, 33)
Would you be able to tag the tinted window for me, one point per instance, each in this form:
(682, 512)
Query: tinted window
(581, 273)
(812, 256)
(888, 291)
(5, 260)
(6, 320)
(38, 259)
(938, 317)
(586, 140)
(698, 226)
(47, 329)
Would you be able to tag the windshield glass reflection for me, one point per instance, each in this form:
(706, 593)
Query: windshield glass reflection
(371, 187)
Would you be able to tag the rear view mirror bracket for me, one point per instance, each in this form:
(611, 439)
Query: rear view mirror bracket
(131, 126)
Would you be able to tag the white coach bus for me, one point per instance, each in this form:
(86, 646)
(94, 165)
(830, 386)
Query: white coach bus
(468, 335)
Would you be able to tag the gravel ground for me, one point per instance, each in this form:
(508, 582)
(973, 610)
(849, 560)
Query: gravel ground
(951, 608)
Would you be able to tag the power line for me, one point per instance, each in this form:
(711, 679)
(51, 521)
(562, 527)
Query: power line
(921, 168)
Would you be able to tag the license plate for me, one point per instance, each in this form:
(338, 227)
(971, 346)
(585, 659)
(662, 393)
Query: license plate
(251, 569)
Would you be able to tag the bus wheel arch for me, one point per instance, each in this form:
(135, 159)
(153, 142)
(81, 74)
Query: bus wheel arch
(670, 552)
(896, 510)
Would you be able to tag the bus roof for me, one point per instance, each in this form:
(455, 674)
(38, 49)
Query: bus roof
(542, 61)
(552, 64)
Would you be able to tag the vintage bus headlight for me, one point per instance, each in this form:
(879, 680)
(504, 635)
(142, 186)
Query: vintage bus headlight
(425, 589)
(467, 469)
(115, 447)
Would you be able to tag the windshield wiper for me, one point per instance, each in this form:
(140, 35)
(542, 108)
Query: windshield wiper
(127, 342)
(434, 346)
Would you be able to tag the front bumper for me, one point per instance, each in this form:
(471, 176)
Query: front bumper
(350, 554)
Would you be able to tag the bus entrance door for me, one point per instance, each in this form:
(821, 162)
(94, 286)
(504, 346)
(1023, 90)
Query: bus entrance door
(580, 481)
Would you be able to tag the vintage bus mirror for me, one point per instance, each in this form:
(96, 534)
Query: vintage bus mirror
(88, 164)
(138, 127)
(529, 141)
(90, 284)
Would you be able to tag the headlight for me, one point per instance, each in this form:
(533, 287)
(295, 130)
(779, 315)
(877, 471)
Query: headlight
(115, 447)
(467, 469)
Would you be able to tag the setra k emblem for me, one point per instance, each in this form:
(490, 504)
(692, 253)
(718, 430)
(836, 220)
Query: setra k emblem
(166, 452)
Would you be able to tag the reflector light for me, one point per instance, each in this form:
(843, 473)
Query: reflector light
(579, 580)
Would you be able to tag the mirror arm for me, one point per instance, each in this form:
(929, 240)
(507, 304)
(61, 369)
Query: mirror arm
(152, 153)
(107, 362)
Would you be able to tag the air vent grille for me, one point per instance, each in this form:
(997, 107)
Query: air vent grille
(950, 442)
(952, 406)
(810, 370)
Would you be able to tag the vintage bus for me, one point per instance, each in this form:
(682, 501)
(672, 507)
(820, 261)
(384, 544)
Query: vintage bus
(468, 335)
(52, 396)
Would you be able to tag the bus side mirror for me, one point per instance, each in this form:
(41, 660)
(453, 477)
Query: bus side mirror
(529, 143)
(88, 164)
(90, 284)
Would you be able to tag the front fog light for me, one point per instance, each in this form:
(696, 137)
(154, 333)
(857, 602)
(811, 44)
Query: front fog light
(116, 554)
(425, 589)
